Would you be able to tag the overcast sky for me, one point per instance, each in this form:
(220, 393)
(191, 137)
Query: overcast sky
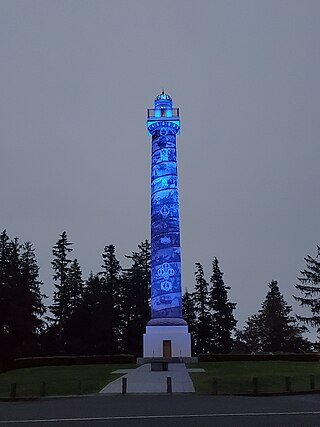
(76, 78)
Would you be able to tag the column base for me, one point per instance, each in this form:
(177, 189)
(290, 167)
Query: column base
(167, 341)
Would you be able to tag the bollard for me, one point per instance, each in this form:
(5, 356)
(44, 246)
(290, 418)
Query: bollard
(13, 390)
(288, 384)
(255, 385)
(165, 366)
(312, 382)
(79, 387)
(43, 388)
(169, 385)
(124, 385)
(215, 386)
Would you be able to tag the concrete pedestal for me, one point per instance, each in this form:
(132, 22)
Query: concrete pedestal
(178, 336)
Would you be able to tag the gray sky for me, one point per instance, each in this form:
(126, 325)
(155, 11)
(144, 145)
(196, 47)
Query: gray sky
(76, 78)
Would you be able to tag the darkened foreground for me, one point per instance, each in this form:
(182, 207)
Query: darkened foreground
(219, 378)
(170, 410)
(257, 377)
(57, 380)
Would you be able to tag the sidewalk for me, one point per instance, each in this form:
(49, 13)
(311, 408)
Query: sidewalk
(143, 380)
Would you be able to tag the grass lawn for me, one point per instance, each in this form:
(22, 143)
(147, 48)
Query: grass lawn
(59, 380)
(237, 377)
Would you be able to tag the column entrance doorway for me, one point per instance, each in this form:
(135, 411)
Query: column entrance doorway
(167, 353)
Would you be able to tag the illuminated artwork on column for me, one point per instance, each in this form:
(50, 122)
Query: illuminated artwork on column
(166, 301)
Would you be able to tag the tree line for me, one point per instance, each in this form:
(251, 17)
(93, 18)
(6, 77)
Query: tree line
(107, 312)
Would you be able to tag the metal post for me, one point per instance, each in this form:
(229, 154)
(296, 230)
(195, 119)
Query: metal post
(79, 387)
(124, 385)
(312, 382)
(169, 385)
(255, 385)
(215, 386)
(43, 388)
(13, 390)
(288, 384)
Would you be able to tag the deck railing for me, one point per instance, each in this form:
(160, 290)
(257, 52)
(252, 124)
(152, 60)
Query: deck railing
(163, 112)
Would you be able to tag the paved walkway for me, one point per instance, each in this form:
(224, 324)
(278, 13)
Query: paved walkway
(143, 380)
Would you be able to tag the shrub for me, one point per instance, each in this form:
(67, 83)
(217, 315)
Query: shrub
(31, 362)
(105, 359)
(232, 357)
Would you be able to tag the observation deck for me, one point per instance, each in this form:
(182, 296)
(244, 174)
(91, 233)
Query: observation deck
(163, 117)
(163, 113)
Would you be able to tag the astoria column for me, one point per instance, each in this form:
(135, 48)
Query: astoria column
(166, 333)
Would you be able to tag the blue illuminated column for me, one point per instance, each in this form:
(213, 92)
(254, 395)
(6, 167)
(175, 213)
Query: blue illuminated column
(166, 333)
(163, 125)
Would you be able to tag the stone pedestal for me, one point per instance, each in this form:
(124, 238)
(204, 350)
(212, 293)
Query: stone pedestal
(178, 337)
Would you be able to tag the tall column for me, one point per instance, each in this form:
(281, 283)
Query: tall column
(163, 126)
(166, 324)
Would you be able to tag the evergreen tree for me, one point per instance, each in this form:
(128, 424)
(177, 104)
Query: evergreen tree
(90, 328)
(97, 317)
(189, 314)
(29, 301)
(111, 279)
(251, 335)
(309, 286)
(9, 281)
(61, 307)
(21, 304)
(4, 296)
(74, 322)
(87, 326)
(136, 298)
(14, 317)
(223, 321)
(76, 285)
(273, 328)
(188, 311)
(202, 331)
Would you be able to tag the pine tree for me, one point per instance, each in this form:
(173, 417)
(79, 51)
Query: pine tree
(21, 305)
(4, 295)
(136, 298)
(113, 298)
(188, 312)
(76, 284)
(91, 326)
(251, 337)
(74, 322)
(61, 307)
(223, 321)
(309, 286)
(14, 289)
(84, 328)
(31, 301)
(273, 328)
(96, 317)
(9, 280)
(202, 331)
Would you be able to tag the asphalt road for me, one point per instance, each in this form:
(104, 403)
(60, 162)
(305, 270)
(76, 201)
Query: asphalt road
(164, 410)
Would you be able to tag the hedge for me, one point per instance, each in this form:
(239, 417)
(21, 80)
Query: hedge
(30, 362)
(233, 357)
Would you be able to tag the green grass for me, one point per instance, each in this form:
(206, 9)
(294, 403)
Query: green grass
(219, 378)
(237, 377)
(60, 380)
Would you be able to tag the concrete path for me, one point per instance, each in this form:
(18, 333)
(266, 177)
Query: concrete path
(143, 380)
